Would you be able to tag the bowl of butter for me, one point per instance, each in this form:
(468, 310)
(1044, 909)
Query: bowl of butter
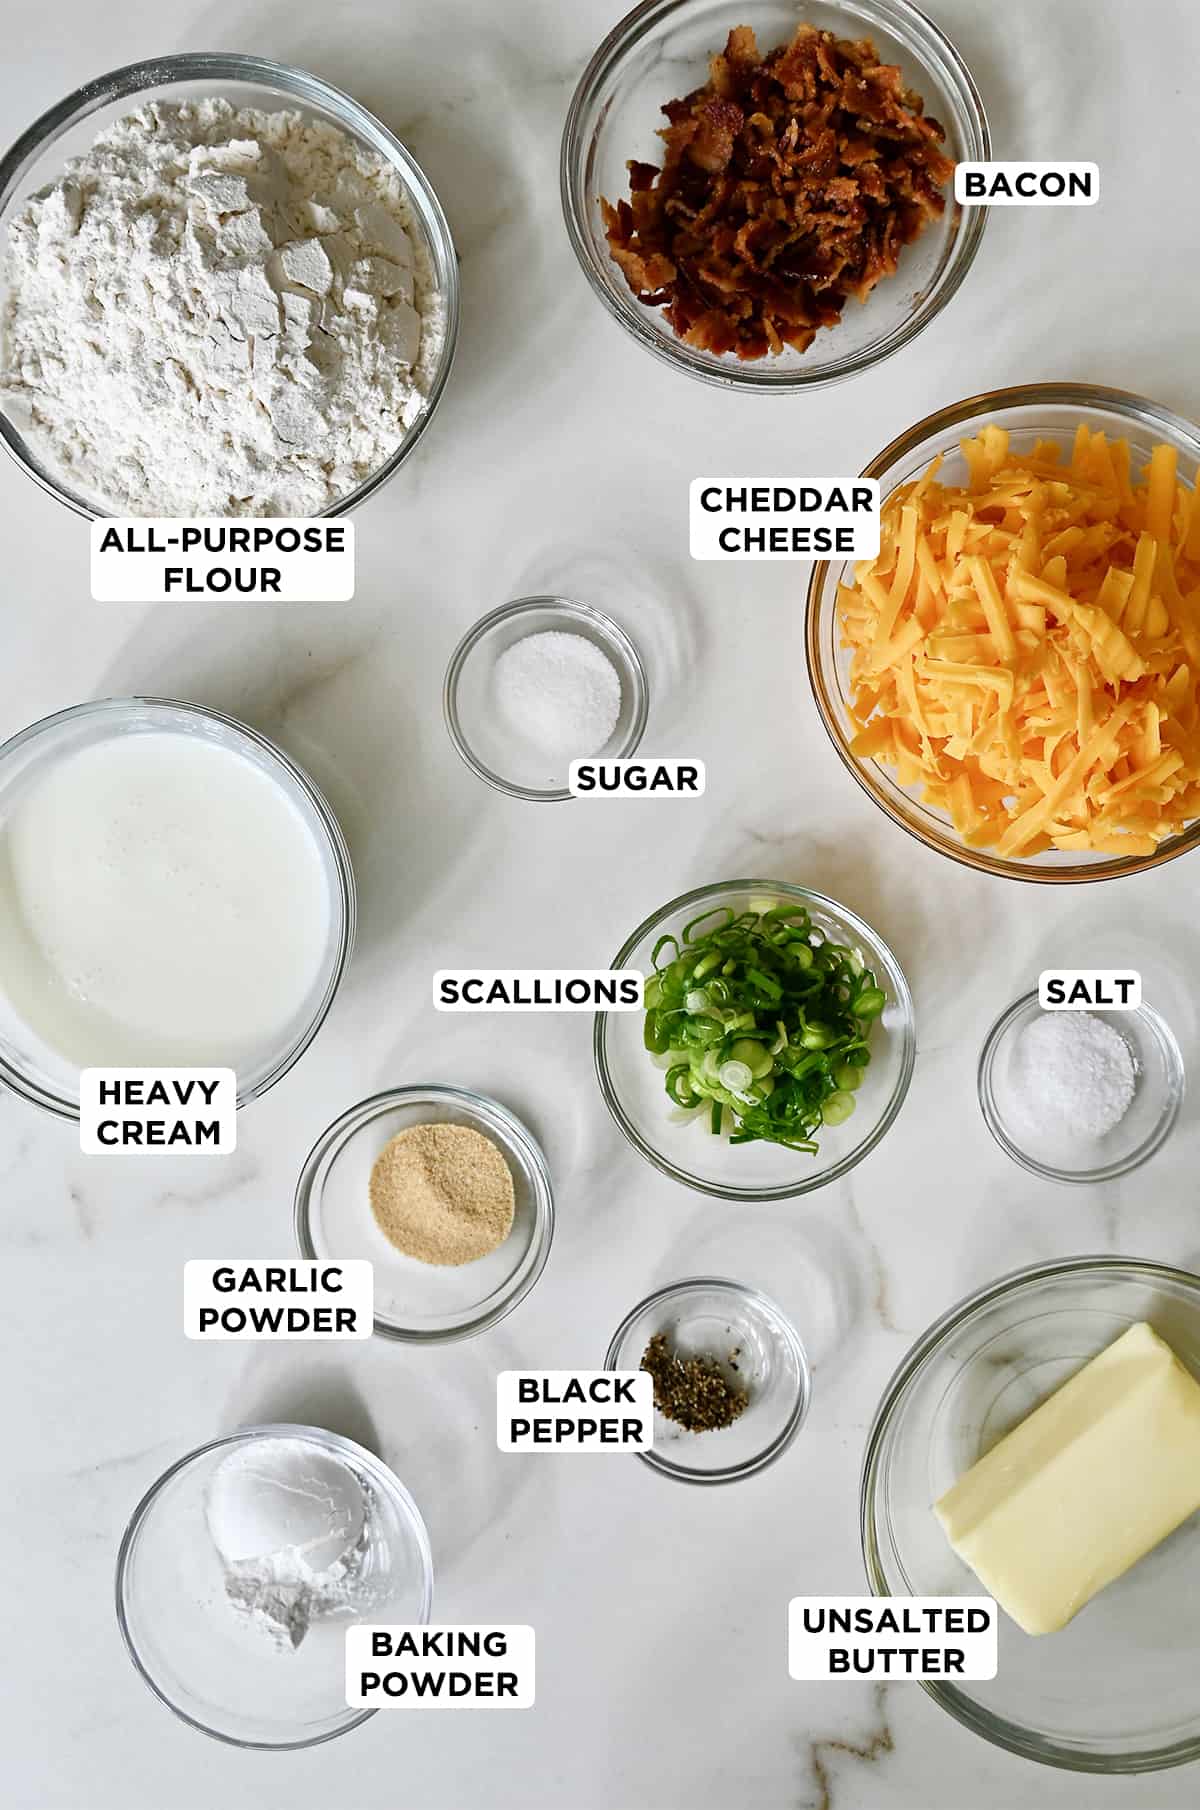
(1040, 1445)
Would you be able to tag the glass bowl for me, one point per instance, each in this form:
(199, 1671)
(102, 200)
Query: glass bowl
(661, 50)
(68, 129)
(759, 1351)
(1029, 412)
(482, 739)
(1158, 1066)
(38, 1072)
(681, 1144)
(1117, 1690)
(424, 1303)
(193, 1649)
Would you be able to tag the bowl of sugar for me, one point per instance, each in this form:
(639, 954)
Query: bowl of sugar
(540, 683)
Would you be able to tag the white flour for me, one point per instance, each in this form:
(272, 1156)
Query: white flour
(218, 312)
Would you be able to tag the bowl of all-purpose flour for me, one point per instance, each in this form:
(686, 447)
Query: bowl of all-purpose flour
(225, 289)
(242, 1568)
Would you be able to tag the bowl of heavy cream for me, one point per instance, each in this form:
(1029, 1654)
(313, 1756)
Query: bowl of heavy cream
(174, 893)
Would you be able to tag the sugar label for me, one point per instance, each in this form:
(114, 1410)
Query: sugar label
(305, 1299)
(144, 1111)
(440, 1666)
(168, 560)
(892, 1637)
(636, 779)
(574, 1411)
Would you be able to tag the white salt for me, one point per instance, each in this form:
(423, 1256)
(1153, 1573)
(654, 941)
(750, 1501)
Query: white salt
(1073, 1075)
(559, 692)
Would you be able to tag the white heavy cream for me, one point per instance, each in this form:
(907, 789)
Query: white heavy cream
(162, 902)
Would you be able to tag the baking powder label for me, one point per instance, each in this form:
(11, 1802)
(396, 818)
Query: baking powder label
(440, 1666)
(1032, 183)
(574, 1410)
(216, 559)
(832, 1638)
(1077, 989)
(808, 518)
(304, 1299)
(144, 1111)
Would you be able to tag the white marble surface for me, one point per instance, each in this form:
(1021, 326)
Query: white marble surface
(560, 458)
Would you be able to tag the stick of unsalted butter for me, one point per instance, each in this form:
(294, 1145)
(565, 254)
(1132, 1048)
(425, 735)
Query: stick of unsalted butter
(1083, 1488)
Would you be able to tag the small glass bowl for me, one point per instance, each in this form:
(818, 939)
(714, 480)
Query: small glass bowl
(39, 1073)
(662, 49)
(1159, 1077)
(759, 1351)
(1028, 412)
(37, 159)
(424, 1303)
(1117, 1689)
(681, 1144)
(487, 746)
(192, 1648)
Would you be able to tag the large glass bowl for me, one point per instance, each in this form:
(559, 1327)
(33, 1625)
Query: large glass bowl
(1029, 412)
(40, 1073)
(1118, 1689)
(68, 129)
(661, 50)
(195, 1652)
(681, 1144)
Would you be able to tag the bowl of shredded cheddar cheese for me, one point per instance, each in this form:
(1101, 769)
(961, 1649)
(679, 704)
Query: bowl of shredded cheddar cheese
(1015, 678)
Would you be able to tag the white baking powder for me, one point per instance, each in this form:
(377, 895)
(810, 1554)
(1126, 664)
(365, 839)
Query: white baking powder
(560, 692)
(218, 311)
(1074, 1075)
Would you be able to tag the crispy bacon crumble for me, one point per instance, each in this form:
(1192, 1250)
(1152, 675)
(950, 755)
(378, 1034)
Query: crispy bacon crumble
(790, 183)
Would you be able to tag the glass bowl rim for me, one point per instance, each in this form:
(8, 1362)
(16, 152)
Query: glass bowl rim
(996, 1730)
(343, 893)
(912, 27)
(297, 85)
(1168, 1045)
(338, 1135)
(908, 1037)
(1138, 410)
(321, 1436)
(782, 1323)
(591, 617)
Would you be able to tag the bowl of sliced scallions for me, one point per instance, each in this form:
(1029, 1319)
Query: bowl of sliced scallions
(776, 1046)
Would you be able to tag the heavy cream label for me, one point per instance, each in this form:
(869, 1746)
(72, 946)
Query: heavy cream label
(810, 518)
(166, 560)
(892, 1637)
(144, 1111)
(305, 1299)
(636, 778)
(1032, 183)
(574, 1411)
(1077, 989)
(440, 1666)
(538, 990)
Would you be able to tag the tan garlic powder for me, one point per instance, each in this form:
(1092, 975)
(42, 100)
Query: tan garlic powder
(442, 1193)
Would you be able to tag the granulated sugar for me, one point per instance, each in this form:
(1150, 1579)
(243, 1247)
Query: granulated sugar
(560, 692)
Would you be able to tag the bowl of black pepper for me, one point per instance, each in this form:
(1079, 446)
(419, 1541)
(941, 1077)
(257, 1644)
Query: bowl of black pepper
(731, 1379)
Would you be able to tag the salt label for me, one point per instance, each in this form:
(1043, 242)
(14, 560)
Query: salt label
(144, 1111)
(169, 560)
(440, 1666)
(304, 1299)
(809, 519)
(574, 1410)
(831, 1638)
(1078, 989)
(538, 990)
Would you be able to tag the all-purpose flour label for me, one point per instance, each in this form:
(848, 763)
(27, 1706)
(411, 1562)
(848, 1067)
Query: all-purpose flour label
(166, 560)
(142, 1111)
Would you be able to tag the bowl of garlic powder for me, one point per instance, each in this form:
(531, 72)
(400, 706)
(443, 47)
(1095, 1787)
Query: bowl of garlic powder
(225, 290)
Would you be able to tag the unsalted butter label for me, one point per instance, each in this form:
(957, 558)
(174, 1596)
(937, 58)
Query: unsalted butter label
(538, 990)
(148, 1110)
(808, 519)
(1077, 989)
(1032, 183)
(636, 778)
(305, 1299)
(440, 1666)
(837, 1637)
(574, 1410)
(144, 559)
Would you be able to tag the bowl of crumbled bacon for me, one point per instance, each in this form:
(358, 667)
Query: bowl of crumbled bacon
(765, 199)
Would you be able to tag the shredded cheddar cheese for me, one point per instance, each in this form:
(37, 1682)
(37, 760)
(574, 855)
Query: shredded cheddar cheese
(1026, 648)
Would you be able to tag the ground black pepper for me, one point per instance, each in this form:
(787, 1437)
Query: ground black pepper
(692, 1391)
